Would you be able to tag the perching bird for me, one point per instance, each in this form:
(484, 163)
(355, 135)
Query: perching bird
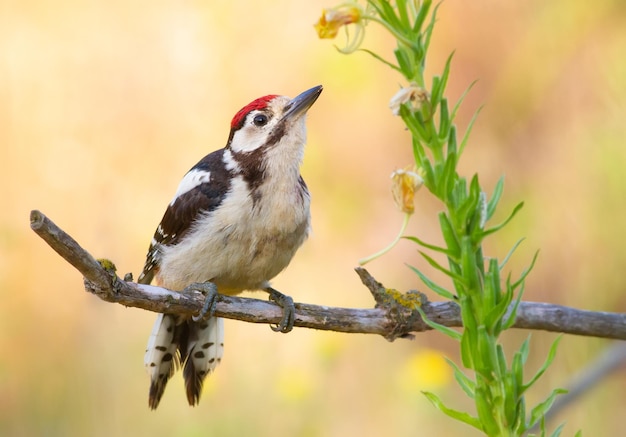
(235, 222)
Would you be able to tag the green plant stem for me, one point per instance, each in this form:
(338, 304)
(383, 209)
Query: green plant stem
(484, 296)
(386, 249)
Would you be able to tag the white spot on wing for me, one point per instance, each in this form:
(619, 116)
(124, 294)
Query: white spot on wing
(229, 161)
(192, 179)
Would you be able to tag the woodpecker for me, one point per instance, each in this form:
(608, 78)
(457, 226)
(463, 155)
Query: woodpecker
(236, 220)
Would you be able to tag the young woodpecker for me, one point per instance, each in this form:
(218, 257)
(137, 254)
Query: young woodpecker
(235, 222)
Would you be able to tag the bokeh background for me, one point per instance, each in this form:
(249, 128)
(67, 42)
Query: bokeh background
(105, 105)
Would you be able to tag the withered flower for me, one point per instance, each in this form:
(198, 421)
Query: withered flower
(412, 94)
(333, 19)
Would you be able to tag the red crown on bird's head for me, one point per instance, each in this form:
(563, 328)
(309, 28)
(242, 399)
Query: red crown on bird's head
(260, 103)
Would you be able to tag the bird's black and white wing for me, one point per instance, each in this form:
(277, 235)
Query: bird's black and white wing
(200, 191)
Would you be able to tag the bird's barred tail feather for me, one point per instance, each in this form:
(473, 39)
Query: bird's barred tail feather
(199, 345)
(204, 351)
(161, 359)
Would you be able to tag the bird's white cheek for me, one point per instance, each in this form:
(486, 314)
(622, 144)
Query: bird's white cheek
(246, 141)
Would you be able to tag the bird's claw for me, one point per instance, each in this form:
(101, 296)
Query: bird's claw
(289, 311)
(209, 290)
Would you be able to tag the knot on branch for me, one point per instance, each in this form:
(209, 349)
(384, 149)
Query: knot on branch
(105, 290)
(401, 308)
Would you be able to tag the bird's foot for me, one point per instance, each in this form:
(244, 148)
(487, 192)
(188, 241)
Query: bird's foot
(289, 310)
(209, 290)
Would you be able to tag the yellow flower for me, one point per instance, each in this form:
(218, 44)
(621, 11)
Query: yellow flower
(333, 19)
(412, 93)
(404, 186)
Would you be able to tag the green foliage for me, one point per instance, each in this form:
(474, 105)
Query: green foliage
(487, 300)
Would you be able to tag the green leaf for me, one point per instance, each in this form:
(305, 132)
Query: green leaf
(558, 430)
(520, 421)
(403, 60)
(425, 119)
(448, 177)
(441, 268)
(433, 286)
(429, 175)
(468, 317)
(542, 426)
(449, 235)
(458, 103)
(402, 13)
(452, 140)
(419, 153)
(414, 121)
(488, 301)
(464, 381)
(428, 33)
(466, 210)
(470, 125)
(542, 408)
(387, 13)
(439, 85)
(508, 255)
(510, 321)
(544, 367)
(458, 415)
(444, 120)
(383, 60)
(429, 246)
(474, 189)
(484, 407)
(467, 348)
(495, 197)
(439, 327)
(514, 405)
(501, 361)
(480, 260)
(496, 228)
(434, 91)
(512, 401)
(421, 16)
(470, 275)
(459, 196)
(477, 220)
(517, 366)
(524, 350)
(491, 289)
(496, 314)
(526, 272)
(487, 353)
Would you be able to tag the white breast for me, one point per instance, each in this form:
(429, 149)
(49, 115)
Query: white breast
(242, 244)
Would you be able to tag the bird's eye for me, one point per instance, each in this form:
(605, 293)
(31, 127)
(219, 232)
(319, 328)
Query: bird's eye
(260, 120)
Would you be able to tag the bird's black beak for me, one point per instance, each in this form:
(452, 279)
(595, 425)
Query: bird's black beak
(300, 104)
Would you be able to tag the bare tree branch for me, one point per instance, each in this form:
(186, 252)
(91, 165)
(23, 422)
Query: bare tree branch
(391, 318)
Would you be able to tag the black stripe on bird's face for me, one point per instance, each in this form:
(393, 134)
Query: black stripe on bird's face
(251, 162)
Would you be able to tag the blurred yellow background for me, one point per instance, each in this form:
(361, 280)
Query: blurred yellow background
(105, 105)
